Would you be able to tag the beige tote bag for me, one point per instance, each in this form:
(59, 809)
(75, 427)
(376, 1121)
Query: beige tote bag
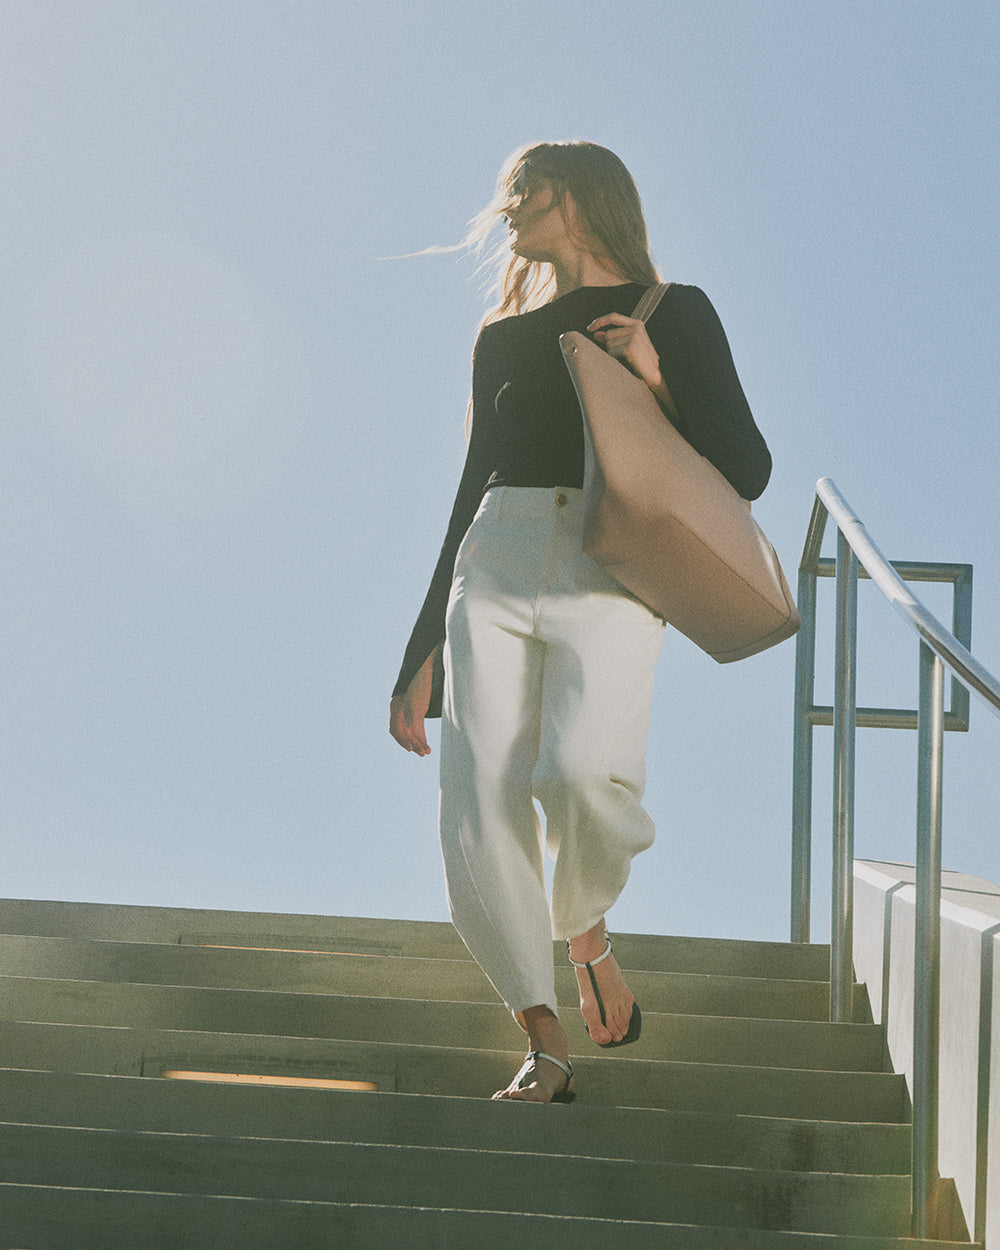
(663, 520)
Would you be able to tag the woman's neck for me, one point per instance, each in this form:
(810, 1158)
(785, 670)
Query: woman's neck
(583, 269)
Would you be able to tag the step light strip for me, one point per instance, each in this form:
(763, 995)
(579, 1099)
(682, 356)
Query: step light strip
(252, 1078)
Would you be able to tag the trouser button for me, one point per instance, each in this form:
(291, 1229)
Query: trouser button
(560, 500)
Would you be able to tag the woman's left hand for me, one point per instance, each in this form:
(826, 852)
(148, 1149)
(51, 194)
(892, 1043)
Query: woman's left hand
(626, 339)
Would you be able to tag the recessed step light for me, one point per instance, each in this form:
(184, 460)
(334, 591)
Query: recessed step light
(254, 1078)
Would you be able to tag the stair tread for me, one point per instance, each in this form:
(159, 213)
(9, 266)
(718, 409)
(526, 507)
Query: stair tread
(709, 993)
(184, 925)
(103, 952)
(205, 1223)
(608, 1079)
(624, 1132)
(552, 1183)
(682, 1035)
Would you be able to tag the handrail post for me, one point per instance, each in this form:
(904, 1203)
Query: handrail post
(927, 949)
(805, 668)
(844, 726)
(940, 649)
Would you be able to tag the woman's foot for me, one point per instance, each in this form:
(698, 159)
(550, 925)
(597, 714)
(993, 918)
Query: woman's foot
(617, 998)
(541, 1078)
(533, 1084)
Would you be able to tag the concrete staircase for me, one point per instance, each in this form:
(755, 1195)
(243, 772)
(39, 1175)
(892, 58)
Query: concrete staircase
(740, 1119)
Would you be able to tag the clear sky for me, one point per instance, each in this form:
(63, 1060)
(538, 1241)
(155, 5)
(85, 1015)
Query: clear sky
(232, 431)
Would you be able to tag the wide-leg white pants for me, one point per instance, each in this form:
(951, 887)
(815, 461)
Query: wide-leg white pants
(548, 687)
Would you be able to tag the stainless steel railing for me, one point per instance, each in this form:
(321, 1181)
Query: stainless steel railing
(857, 555)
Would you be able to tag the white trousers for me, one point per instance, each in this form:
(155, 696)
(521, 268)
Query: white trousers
(548, 688)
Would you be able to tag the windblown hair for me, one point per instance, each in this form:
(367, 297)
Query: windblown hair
(609, 212)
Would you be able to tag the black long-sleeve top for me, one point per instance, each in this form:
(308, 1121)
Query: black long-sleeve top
(527, 428)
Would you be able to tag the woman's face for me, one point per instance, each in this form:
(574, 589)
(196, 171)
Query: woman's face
(540, 227)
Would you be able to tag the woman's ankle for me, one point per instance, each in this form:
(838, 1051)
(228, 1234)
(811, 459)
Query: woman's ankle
(590, 945)
(544, 1031)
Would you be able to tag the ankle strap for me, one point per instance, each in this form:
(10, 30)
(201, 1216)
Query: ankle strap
(566, 1067)
(589, 963)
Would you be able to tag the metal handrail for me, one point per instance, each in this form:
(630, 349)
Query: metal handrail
(939, 648)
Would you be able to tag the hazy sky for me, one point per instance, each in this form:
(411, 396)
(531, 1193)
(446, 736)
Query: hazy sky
(232, 432)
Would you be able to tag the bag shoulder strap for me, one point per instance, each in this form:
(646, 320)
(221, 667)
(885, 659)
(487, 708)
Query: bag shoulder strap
(650, 298)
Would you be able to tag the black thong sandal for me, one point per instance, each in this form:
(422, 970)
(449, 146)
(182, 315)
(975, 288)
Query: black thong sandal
(634, 1024)
(563, 1095)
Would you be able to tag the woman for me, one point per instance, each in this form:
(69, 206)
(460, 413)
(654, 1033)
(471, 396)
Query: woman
(546, 663)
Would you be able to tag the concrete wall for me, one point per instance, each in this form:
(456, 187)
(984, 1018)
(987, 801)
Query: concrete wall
(884, 903)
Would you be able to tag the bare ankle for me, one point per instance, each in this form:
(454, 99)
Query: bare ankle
(544, 1031)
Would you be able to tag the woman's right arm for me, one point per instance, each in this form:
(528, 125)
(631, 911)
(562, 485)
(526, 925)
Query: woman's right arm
(408, 710)
(417, 692)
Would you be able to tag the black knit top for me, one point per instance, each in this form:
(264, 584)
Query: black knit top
(527, 428)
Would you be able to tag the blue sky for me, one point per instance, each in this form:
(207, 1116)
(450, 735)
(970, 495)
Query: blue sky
(233, 431)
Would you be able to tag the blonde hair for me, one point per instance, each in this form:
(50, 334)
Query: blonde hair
(609, 212)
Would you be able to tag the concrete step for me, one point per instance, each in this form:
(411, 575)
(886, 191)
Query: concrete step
(53, 1218)
(362, 935)
(397, 976)
(554, 1184)
(707, 1039)
(605, 1079)
(171, 1106)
